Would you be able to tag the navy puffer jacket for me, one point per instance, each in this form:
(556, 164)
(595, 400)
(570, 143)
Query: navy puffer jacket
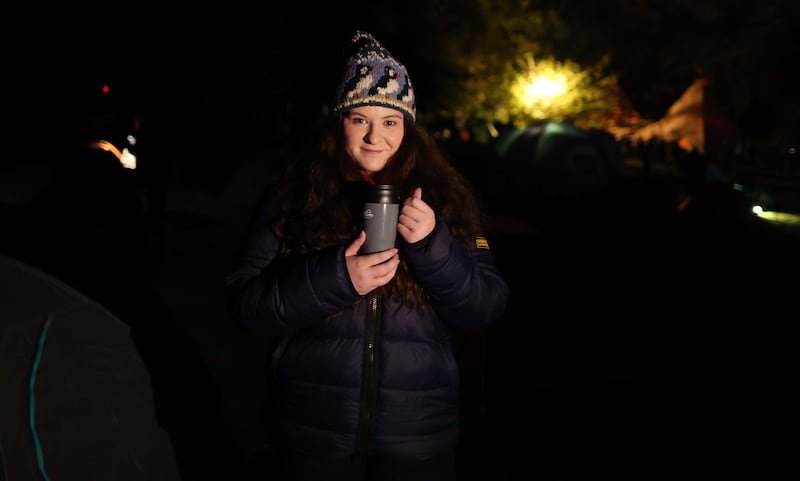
(354, 373)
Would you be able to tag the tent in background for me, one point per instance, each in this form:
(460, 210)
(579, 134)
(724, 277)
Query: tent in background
(77, 401)
(549, 170)
(554, 160)
(683, 122)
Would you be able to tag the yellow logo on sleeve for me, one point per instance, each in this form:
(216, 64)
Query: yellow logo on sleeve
(481, 243)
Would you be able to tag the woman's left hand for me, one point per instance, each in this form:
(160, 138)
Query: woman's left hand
(417, 219)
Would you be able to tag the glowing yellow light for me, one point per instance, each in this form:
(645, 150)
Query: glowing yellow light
(546, 87)
(786, 218)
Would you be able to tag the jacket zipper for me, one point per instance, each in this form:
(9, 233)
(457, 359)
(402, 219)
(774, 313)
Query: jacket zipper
(369, 381)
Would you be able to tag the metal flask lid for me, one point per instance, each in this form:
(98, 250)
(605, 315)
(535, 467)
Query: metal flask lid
(383, 194)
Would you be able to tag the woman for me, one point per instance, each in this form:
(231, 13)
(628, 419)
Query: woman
(365, 382)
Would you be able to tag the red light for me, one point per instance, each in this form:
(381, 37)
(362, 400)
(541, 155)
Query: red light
(106, 89)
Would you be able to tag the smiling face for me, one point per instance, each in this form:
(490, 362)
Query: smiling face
(372, 135)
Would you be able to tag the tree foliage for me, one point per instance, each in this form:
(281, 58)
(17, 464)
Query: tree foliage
(475, 53)
(472, 47)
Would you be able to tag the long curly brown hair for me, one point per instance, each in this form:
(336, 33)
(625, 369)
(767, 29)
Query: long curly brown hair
(317, 207)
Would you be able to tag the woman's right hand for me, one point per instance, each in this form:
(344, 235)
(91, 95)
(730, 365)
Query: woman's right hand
(370, 271)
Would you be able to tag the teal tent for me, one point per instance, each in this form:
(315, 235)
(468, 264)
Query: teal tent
(554, 160)
(76, 399)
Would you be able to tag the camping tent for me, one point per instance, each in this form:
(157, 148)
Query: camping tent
(683, 122)
(554, 160)
(76, 398)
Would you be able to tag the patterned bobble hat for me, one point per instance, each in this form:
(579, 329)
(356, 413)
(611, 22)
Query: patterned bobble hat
(374, 77)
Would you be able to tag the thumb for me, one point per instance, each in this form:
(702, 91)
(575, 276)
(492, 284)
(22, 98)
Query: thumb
(417, 193)
(353, 248)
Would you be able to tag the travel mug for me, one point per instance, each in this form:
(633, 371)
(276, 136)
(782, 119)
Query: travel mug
(381, 209)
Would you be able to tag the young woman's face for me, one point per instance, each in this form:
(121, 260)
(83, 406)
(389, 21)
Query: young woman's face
(372, 136)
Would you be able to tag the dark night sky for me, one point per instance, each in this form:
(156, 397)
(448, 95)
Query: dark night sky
(222, 64)
(67, 45)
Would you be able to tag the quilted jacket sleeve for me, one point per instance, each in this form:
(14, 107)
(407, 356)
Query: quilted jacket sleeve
(465, 286)
(271, 295)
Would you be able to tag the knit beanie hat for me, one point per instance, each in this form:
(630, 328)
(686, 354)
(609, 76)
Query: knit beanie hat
(374, 77)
